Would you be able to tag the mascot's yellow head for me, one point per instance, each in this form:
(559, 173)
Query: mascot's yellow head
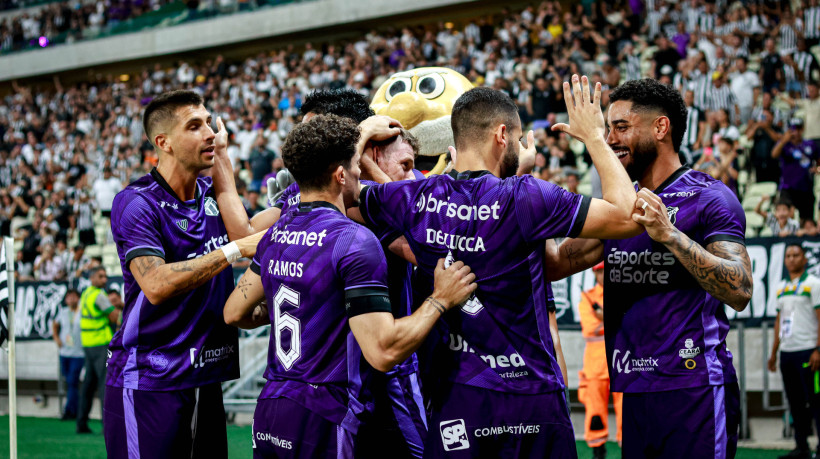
(422, 101)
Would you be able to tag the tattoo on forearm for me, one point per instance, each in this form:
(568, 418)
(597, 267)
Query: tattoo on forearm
(196, 271)
(145, 264)
(723, 269)
(244, 286)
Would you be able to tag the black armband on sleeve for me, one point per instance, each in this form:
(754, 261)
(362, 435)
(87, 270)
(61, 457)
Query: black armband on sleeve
(255, 267)
(364, 300)
(143, 252)
(580, 217)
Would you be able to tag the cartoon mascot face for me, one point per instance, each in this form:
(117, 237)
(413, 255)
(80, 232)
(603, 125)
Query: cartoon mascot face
(422, 100)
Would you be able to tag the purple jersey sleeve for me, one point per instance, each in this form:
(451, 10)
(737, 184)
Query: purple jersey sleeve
(288, 197)
(546, 210)
(256, 261)
(138, 232)
(721, 215)
(386, 206)
(362, 264)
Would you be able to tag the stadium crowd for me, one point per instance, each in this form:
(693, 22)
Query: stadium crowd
(746, 72)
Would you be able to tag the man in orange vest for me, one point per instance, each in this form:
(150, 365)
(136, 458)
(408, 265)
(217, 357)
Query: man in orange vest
(593, 389)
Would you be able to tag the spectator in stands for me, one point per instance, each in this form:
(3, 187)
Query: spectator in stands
(260, 163)
(781, 222)
(808, 228)
(771, 67)
(764, 135)
(47, 266)
(796, 337)
(695, 129)
(722, 162)
(797, 157)
(104, 189)
(84, 210)
(115, 298)
(745, 85)
(77, 263)
(811, 110)
(65, 330)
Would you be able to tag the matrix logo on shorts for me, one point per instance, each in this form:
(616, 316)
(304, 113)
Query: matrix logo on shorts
(454, 435)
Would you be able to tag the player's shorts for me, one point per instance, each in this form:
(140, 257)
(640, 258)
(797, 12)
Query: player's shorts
(700, 422)
(283, 428)
(168, 424)
(399, 423)
(473, 422)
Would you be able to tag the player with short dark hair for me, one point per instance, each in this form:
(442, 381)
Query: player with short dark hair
(341, 102)
(496, 387)
(173, 350)
(665, 324)
(324, 280)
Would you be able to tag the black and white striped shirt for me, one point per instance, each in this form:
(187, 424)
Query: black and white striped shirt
(633, 67)
(788, 37)
(693, 117)
(811, 22)
(806, 63)
(701, 85)
(706, 22)
(722, 98)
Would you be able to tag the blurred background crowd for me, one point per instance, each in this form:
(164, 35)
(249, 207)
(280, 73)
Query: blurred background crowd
(748, 72)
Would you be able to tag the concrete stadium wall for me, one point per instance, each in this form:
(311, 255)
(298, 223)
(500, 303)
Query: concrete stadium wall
(38, 360)
(235, 28)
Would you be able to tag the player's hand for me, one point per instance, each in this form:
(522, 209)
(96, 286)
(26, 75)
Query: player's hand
(260, 313)
(454, 285)
(526, 155)
(379, 127)
(652, 214)
(814, 360)
(586, 120)
(772, 363)
(221, 139)
(247, 245)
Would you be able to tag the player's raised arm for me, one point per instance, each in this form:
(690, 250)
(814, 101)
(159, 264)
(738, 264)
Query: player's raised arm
(160, 281)
(610, 217)
(230, 206)
(386, 342)
(571, 256)
(722, 268)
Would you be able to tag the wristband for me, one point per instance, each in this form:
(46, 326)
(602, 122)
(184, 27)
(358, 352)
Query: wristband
(439, 307)
(231, 252)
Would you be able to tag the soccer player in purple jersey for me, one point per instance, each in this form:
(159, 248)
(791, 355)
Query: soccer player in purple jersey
(500, 390)
(665, 324)
(323, 278)
(174, 349)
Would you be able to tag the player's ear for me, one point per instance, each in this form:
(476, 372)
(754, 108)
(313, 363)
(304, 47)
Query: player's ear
(499, 135)
(163, 143)
(339, 175)
(662, 127)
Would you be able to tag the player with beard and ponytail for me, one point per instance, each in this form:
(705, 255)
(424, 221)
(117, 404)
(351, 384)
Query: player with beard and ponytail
(495, 385)
(665, 325)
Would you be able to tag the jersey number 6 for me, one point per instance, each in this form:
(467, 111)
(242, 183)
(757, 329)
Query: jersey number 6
(284, 321)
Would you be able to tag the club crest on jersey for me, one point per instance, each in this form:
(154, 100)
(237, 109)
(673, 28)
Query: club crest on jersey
(672, 213)
(473, 306)
(211, 209)
(183, 224)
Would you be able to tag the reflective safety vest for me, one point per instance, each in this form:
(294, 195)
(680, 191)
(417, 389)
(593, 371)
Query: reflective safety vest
(94, 323)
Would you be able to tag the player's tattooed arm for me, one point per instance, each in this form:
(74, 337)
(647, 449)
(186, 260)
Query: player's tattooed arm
(160, 281)
(245, 307)
(571, 256)
(723, 268)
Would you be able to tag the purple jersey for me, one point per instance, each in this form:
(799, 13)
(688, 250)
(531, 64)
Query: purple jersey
(183, 342)
(663, 332)
(314, 262)
(795, 163)
(500, 338)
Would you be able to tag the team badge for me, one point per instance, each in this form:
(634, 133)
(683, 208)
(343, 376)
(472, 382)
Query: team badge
(672, 213)
(211, 209)
(473, 306)
(183, 224)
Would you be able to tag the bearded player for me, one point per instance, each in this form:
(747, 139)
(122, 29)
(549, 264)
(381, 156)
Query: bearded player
(665, 324)
(324, 279)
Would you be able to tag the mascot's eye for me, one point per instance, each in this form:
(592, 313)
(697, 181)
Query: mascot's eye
(397, 87)
(430, 86)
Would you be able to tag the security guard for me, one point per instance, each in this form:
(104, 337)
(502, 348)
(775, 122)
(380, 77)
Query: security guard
(593, 389)
(96, 314)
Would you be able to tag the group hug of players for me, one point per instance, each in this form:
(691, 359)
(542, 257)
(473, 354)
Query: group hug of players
(412, 318)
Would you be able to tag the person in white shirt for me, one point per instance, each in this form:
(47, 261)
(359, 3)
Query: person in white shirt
(104, 189)
(745, 85)
(796, 335)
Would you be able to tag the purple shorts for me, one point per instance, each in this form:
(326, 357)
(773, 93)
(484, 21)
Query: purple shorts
(172, 424)
(684, 423)
(473, 422)
(283, 428)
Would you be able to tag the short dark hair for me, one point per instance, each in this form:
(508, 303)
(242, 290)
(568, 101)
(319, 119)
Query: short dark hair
(649, 94)
(113, 290)
(794, 243)
(161, 110)
(70, 291)
(784, 202)
(478, 110)
(313, 150)
(341, 102)
(95, 270)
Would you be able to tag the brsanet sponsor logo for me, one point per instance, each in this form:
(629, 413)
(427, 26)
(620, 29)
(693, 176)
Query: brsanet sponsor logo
(201, 357)
(463, 212)
(645, 267)
(626, 363)
(454, 435)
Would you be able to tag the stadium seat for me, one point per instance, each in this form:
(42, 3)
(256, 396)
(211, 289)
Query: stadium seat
(766, 232)
(762, 189)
